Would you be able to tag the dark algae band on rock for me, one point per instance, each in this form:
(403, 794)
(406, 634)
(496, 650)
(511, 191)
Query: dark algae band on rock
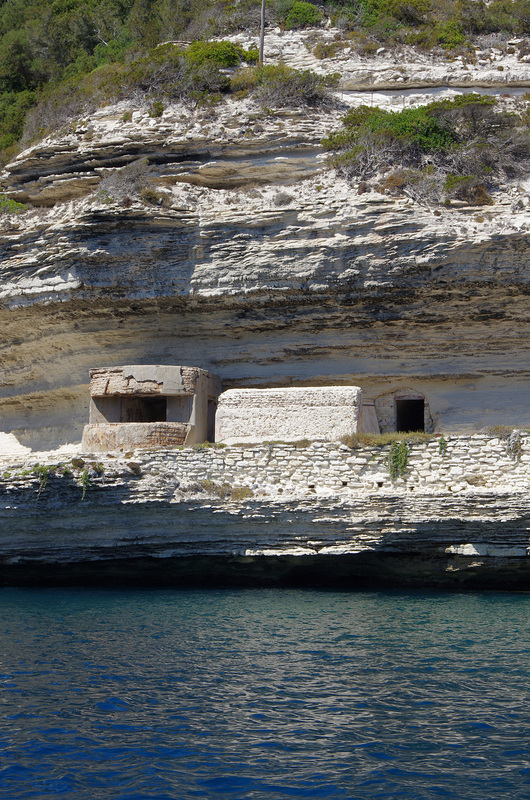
(347, 572)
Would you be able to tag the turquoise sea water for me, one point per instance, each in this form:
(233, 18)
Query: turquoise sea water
(263, 694)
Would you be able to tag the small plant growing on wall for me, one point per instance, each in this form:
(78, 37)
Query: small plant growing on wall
(222, 491)
(398, 457)
(511, 437)
(514, 445)
(442, 445)
(42, 472)
(85, 482)
(241, 493)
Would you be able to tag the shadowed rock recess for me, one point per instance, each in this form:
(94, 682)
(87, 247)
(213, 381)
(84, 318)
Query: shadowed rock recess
(243, 254)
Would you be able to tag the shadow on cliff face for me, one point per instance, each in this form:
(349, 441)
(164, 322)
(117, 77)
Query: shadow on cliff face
(108, 540)
(346, 573)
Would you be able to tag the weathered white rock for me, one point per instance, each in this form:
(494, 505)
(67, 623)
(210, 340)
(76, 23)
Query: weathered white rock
(264, 267)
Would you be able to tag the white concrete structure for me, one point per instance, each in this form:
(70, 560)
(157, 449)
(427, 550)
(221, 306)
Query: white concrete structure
(325, 413)
(149, 406)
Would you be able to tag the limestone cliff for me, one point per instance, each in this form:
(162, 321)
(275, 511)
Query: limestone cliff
(251, 259)
(319, 514)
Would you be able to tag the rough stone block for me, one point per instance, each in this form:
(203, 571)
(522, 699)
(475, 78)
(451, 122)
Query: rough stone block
(251, 415)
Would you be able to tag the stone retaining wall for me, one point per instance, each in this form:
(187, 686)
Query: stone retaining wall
(456, 464)
(476, 464)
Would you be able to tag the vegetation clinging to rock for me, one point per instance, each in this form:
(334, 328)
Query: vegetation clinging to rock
(68, 55)
(356, 440)
(277, 85)
(164, 73)
(447, 149)
(302, 14)
(10, 206)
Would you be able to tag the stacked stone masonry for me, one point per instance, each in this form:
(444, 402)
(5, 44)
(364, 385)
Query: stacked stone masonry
(457, 464)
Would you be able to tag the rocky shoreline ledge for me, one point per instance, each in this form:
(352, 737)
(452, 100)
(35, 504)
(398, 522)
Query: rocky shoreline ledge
(302, 514)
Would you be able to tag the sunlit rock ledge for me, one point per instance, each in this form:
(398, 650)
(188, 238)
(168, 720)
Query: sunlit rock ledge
(282, 514)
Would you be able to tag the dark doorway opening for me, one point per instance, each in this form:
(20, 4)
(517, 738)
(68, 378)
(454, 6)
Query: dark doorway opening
(143, 409)
(410, 415)
(212, 407)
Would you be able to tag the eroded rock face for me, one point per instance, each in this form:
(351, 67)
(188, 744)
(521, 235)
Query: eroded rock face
(272, 515)
(260, 266)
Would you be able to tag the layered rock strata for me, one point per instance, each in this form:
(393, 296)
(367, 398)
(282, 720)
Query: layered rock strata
(274, 515)
(259, 264)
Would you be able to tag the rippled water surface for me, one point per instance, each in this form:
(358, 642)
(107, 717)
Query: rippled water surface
(263, 694)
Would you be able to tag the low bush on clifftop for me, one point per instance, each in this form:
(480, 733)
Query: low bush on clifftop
(277, 85)
(164, 74)
(302, 15)
(449, 149)
(168, 73)
(71, 55)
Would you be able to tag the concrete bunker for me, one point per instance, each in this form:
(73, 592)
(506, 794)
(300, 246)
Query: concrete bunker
(325, 413)
(150, 407)
(403, 410)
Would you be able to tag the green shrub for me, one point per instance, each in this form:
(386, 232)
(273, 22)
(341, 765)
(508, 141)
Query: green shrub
(327, 49)
(14, 107)
(276, 85)
(43, 472)
(156, 109)
(398, 456)
(450, 35)
(302, 15)
(468, 188)
(9, 206)
(415, 129)
(224, 54)
(281, 86)
(244, 80)
(424, 145)
(409, 12)
(152, 197)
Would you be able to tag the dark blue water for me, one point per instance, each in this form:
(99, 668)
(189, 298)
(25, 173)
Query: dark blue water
(263, 694)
